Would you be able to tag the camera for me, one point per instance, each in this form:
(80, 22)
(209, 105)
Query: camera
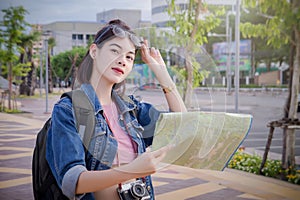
(134, 190)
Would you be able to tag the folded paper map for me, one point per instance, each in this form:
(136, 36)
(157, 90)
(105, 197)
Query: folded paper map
(202, 140)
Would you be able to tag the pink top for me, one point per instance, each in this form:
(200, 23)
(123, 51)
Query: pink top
(126, 149)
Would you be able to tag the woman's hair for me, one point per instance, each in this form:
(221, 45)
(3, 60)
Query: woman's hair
(85, 69)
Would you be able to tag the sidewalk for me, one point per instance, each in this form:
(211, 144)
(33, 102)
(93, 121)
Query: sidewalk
(17, 139)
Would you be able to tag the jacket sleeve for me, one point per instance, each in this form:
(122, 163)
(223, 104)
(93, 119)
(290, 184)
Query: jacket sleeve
(65, 152)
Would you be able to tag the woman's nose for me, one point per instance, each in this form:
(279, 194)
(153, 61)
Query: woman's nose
(122, 63)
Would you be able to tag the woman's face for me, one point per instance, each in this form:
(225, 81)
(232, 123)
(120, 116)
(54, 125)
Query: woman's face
(114, 60)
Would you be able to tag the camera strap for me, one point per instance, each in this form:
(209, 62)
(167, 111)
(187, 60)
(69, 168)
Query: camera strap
(133, 146)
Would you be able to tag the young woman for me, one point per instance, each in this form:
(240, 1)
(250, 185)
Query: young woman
(117, 153)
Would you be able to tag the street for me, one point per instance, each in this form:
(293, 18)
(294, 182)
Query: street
(264, 106)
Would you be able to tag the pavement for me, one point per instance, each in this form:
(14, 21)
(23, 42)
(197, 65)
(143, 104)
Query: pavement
(17, 140)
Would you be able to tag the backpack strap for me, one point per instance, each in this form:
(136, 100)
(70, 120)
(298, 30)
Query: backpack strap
(84, 114)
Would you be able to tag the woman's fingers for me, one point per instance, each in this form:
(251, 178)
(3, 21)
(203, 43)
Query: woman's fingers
(162, 151)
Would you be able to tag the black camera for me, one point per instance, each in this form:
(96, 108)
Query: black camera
(134, 190)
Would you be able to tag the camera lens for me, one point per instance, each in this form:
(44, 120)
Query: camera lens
(138, 190)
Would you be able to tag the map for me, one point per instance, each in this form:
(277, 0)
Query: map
(202, 140)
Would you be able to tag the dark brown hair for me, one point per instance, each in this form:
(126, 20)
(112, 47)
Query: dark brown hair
(86, 67)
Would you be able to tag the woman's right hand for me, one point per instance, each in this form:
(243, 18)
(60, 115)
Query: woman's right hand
(146, 163)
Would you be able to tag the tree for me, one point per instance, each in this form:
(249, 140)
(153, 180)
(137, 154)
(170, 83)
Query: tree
(13, 25)
(281, 27)
(65, 61)
(51, 44)
(190, 30)
(26, 43)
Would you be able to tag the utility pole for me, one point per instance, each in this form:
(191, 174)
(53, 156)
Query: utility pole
(237, 55)
(41, 71)
(46, 62)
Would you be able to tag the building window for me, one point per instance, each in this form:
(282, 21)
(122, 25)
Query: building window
(77, 40)
(163, 9)
(159, 9)
(89, 37)
(80, 36)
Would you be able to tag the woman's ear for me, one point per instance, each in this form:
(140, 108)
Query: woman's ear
(93, 49)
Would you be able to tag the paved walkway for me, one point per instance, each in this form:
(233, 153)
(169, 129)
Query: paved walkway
(17, 139)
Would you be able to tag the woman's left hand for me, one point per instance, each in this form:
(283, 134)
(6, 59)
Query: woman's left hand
(152, 57)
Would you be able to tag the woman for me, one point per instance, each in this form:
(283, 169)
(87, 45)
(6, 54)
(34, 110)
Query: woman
(117, 153)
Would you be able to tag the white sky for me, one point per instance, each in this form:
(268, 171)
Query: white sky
(47, 11)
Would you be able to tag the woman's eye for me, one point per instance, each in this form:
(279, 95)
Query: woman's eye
(130, 58)
(115, 51)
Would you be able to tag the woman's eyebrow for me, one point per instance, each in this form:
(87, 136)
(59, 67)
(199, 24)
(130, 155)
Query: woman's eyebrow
(114, 44)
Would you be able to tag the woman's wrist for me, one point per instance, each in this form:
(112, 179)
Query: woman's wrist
(168, 88)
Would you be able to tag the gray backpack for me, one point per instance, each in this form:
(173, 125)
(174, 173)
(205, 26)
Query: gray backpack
(43, 181)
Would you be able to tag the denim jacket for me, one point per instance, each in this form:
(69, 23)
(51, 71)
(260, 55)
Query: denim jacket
(65, 151)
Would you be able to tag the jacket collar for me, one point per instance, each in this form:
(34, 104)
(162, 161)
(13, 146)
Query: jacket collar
(123, 103)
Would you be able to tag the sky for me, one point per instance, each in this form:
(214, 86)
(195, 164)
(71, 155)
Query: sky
(48, 11)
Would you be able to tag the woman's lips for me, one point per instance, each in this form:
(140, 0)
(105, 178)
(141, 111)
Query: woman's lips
(118, 70)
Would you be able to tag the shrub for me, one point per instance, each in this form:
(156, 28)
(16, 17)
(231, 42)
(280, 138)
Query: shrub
(251, 163)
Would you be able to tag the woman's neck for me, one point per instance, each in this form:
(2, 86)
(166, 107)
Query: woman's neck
(103, 91)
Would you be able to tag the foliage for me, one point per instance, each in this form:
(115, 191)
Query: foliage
(251, 163)
(281, 18)
(190, 25)
(10, 111)
(13, 26)
(62, 62)
(12, 29)
(282, 26)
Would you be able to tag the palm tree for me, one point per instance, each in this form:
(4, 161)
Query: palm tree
(26, 43)
(51, 44)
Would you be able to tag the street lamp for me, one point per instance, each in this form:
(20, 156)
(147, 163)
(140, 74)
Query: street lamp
(237, 41)
(237, 55)
(229, 40)
(41, 71)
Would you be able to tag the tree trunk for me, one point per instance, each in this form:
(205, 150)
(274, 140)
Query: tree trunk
(50, 82)
(188, 53)
(9, 84)
(293, 103)
(189, 85)
(33, 79)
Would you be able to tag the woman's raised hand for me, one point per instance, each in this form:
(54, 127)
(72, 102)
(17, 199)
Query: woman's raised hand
(152, 56)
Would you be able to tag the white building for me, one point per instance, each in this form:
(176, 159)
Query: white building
(71, 34)
(160, 17)
(76, 33)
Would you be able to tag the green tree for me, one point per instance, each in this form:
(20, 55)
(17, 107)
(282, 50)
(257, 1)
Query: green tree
(51, 44)
(191, 26)
(66, 63)
(26, 43)
(13, 26)
(281, 27)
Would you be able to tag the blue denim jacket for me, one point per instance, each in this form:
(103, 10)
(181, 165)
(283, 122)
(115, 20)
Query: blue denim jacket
(65, 151)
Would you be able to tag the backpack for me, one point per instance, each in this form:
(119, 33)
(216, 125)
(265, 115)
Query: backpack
(43, 181)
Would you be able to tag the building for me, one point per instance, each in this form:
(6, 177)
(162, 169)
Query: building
(160, 17)
(70, 34)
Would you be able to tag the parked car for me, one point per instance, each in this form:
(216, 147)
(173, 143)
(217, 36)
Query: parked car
(149, 86)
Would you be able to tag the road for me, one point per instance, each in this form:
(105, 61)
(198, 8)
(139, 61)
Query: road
(263, 106)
